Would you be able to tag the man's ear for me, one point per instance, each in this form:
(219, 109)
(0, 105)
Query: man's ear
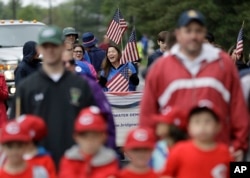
(104, 137)
(75, 137)
(218, 128)
(177, 34)
(38, 49)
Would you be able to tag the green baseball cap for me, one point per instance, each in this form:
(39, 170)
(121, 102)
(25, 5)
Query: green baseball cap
(70, 31)
(50, 34)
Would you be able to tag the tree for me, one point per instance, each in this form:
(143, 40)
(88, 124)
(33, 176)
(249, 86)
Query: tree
(224, 17)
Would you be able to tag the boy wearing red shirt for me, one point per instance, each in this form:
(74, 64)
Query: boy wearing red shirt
(201, 156)
(14, 140)
(139, 145)
(89, 158)
(35, 154)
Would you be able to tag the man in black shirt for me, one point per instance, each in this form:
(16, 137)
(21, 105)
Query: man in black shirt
(53, 93)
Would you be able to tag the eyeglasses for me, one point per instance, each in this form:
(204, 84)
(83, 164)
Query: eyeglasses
(77, 51)
(71, 62)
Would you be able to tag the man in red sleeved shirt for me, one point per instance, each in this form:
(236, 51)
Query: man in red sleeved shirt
(201, 156)
(89, 158)
(195, 70)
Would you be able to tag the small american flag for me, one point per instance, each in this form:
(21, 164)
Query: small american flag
(120, 82)
(239, 46)
(130, 53)
(117, 27)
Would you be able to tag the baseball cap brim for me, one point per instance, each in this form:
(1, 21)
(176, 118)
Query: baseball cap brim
(71, 33)
(51, 41)
(92, 128)
(137, 145)
(188, 21)
(13, 138)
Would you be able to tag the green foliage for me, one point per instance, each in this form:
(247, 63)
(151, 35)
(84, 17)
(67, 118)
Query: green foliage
(224, 17)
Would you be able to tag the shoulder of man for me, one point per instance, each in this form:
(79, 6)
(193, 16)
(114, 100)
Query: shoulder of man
(32, 78)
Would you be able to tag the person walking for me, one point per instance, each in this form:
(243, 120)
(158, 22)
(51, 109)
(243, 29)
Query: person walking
(53, 93)
(195, 70)
(30, 62)
(95, 54)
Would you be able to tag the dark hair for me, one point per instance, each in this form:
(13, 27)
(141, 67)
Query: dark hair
(176, 134)
(162, 36)
(170, 39)
(199, 110)
(106, 64)
(79, 45)
(210, 37)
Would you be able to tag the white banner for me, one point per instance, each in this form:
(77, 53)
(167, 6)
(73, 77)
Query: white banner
(125, 108)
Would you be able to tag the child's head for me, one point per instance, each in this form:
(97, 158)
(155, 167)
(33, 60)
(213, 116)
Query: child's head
(204, 122)
(139, 145)
(14, 140)
(34, 125)
(161, 40)
(90, 130)
(171, 124)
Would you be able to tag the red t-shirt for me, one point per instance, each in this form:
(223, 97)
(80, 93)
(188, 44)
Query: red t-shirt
(187, 160)
(126, 173)
(45, 161)
(27, 173)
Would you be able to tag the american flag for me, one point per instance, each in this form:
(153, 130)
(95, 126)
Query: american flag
(117, 27)
(120, 82)
(239, 46)
(130, 53)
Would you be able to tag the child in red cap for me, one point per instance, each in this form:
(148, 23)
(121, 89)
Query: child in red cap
(170, 128)
(138, 147)
(201, 156)
(89, 158)
(35, 154)
(14, 140)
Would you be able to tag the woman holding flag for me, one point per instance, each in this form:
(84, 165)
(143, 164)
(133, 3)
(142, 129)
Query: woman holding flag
(117, 77)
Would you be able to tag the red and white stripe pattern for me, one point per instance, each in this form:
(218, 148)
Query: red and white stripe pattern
(239, 46)
(130, 53)
(117, 27)
(120, 82)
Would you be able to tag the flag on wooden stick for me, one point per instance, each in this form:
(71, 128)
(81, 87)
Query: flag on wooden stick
(239, 45)
(117, 27)
(130, 53)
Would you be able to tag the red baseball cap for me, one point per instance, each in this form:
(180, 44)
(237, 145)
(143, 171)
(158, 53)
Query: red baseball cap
(90, 119)
(140, 137)
(12, 131)
(208, 105)
(173, 116)
(35, 126)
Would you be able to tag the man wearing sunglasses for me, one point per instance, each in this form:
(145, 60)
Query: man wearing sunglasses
(53, 93)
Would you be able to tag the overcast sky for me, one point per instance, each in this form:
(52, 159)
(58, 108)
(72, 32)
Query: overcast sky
(44, 3)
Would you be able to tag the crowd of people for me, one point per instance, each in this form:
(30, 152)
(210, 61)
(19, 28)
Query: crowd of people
(194, 114)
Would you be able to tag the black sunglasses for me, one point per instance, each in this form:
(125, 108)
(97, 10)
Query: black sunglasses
(71, 62)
